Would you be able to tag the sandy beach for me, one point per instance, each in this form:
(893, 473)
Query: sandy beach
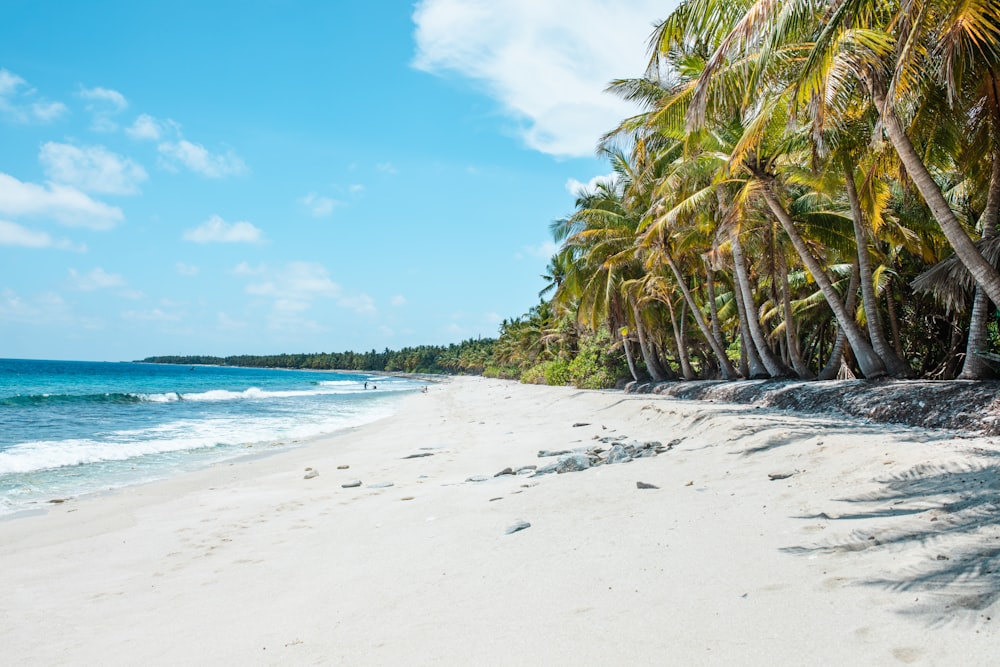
(772, 538)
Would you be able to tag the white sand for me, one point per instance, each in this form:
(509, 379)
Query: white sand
(249, 563)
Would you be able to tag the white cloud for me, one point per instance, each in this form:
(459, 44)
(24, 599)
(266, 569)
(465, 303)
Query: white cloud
(154, 315)
(244, 269)
(19, 102)
(318, 206)
(200, 160)
(360, 303)
(91, 168)
(386, 168)
(295, 286)
(63, 203)
(103, 103)
(547, 63)
(12, 234)
(186, 269)
(356, 188)
(94, 280)
(398, 300)
(576, 188)
(543, 250)
(217, 230)
(148, 128)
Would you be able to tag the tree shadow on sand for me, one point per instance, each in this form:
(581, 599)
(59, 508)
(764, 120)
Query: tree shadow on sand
(947, 517)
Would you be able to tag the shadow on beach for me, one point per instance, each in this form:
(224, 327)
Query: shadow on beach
(947, 520)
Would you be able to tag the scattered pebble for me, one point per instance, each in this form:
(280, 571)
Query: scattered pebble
(691, 483)
(56, 501)
(477, 478)
(418, 456)
(545, 453)
(352, 484)
(381, 485)
(520, 525)
(505, 471)
(645, 485)
(774, 476)
(343, 466)
(407, 498)
(579, 424)
(312, 473)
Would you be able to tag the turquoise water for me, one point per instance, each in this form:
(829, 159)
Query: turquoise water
(68, 428)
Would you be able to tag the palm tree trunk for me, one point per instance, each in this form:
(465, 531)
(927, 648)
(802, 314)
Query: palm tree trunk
(682, 355)
(869, 362)
(975, 367)
(726, 366)
(750, 365)
(982, 271)
(648, 356)
(893, 363)
(629, 359)
(772, 365)
(832, 367)
(791, 334)
(713, 308)
(890, 307)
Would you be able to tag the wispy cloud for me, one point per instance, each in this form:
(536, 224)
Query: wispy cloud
(62, 203)
(147, 128)
(20, 102)
(318, 206)
(103, 104)
(94, 279)
(217, 230)
(398, 300)
(294, 287)
(176, 151)
(91, 168)
(186, 269)
(547, 71)
(12, 234)
(200, 160)
(386, 168)
(576, 188)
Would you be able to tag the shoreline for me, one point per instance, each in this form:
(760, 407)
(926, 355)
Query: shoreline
(772, 538)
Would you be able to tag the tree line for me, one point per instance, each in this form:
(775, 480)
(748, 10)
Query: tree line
(810, 189)
(468, 357)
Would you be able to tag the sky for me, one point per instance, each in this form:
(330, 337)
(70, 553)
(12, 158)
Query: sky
(271, 176)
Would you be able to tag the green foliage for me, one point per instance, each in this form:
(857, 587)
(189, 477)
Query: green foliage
(534, 375)
(594, 367)
(556, 372)
(468, 357)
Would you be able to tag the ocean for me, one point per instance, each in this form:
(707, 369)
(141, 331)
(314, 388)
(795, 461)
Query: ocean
(70, 427)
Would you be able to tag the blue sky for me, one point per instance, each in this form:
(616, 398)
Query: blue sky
(274, 176)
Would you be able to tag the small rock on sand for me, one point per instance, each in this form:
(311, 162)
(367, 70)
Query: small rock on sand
(519, 525)
(312, 473)
(579, 424)
(477, 478)
(774, 476)
(505, 471)
(545, 453)
(645, 485)
(573, 463)
(343, 467)
(418, 456)
(380, 485)
(352, 484)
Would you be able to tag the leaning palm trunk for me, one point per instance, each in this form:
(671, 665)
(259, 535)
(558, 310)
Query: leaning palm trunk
(682, 354)
(713, 308)
(648, 355)
(975, 366)
(982, 271)
(836, 360)
(893, 363)
(772, 365)
(726, 366)
(869, 362)
(629, 359)
(791, 335)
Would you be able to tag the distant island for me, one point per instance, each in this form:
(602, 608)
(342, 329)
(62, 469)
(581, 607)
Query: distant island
(470, 357)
